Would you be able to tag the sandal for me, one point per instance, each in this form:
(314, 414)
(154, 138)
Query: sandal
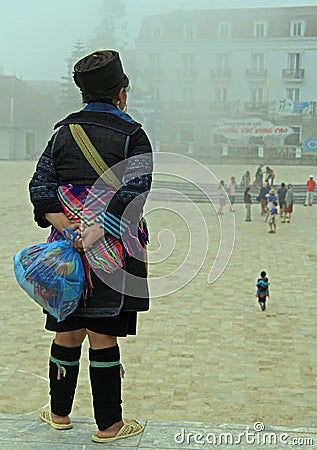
(46, 416)
(129, 428)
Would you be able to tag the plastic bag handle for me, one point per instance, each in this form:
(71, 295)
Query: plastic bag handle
(66, 232)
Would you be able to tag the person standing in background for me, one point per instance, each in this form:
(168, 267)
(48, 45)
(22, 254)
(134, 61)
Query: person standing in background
(281, 193)
(222, 197)
(246, 179)
(258, 182)
(289, 203)
(270, 175)
(248, 203)
(232, 186)
(262, 198)
(311, 183)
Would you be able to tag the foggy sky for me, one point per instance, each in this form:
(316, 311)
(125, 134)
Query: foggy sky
(36, 36)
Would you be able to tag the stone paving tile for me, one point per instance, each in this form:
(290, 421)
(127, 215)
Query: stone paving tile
(21, 432)
(26, 434)
(205, 353)
(163, 435)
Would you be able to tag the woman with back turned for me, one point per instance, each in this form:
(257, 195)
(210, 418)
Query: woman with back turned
(64, 179)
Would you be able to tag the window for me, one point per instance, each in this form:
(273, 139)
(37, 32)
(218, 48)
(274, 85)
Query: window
(297, 28)
(293, 94)
(188, 61)
(256, 95)
(223, 62)
(223, 29)
(155, 61)
(294, 70)
(294, 61)
(29, 144)
(260, 29)
(257, 62)
(156, 31)
(156, 93)
(186, 133)
(189, 31)
(221, 94)
(188, 95)
(295, 138)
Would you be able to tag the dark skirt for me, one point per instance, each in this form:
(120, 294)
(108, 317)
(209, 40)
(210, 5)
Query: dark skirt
(289, 208)
(122, 325)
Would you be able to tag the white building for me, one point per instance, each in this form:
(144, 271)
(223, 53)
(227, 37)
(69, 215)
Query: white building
(255, 68)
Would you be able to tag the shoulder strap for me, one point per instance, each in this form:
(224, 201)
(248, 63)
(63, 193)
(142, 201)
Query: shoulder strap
(93, 156)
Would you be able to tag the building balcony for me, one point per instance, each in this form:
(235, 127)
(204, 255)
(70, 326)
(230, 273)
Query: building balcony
(220, 73)
(152, 73)
(256, 74)
(186, 74)
(221, 106)
(256, 107)
(293, 74)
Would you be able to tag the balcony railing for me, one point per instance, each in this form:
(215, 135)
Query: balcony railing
(256, 107)
(152, 73)
(186, 74)
(256, 74)
(293, 74)
(218, 106)
(220, 73)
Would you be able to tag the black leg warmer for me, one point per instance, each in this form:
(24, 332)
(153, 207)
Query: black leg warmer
(63, 373)
(105, 378)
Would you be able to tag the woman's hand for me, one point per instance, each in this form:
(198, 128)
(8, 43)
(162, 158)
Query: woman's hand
(78, 242)
(60, 221)
(89, 235)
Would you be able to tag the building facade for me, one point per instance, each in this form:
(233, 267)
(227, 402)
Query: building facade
(26, 119)
(234, 83)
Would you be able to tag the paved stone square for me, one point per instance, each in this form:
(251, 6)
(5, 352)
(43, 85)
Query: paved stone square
(205, 353)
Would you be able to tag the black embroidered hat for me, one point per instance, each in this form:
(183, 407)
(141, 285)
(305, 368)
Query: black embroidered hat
(100, 71)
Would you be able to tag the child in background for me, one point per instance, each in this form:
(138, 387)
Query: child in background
(270, 198)
(272, 219)
(262, 289)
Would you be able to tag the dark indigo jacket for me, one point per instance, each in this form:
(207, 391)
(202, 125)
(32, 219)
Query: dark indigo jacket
(113, 135)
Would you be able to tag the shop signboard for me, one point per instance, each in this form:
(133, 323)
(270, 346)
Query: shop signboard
(240, 128)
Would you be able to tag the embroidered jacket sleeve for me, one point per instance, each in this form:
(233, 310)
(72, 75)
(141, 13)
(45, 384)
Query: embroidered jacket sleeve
(127, 204)
(43, 188)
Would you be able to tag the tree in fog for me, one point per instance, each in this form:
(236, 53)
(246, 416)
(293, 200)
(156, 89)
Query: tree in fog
(111, 33)
(71, 98)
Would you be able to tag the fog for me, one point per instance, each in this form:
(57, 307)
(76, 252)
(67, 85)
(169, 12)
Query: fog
(39, 43)
(37, 36)
(204, 103)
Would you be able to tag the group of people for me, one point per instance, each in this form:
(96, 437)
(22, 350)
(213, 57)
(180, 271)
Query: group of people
(261, 175)
(269, 198)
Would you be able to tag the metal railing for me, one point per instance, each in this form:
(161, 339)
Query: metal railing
(224, 73)
(293, 74)
(256, 74)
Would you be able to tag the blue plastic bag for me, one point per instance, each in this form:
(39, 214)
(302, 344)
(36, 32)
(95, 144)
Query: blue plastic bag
(52, 274)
